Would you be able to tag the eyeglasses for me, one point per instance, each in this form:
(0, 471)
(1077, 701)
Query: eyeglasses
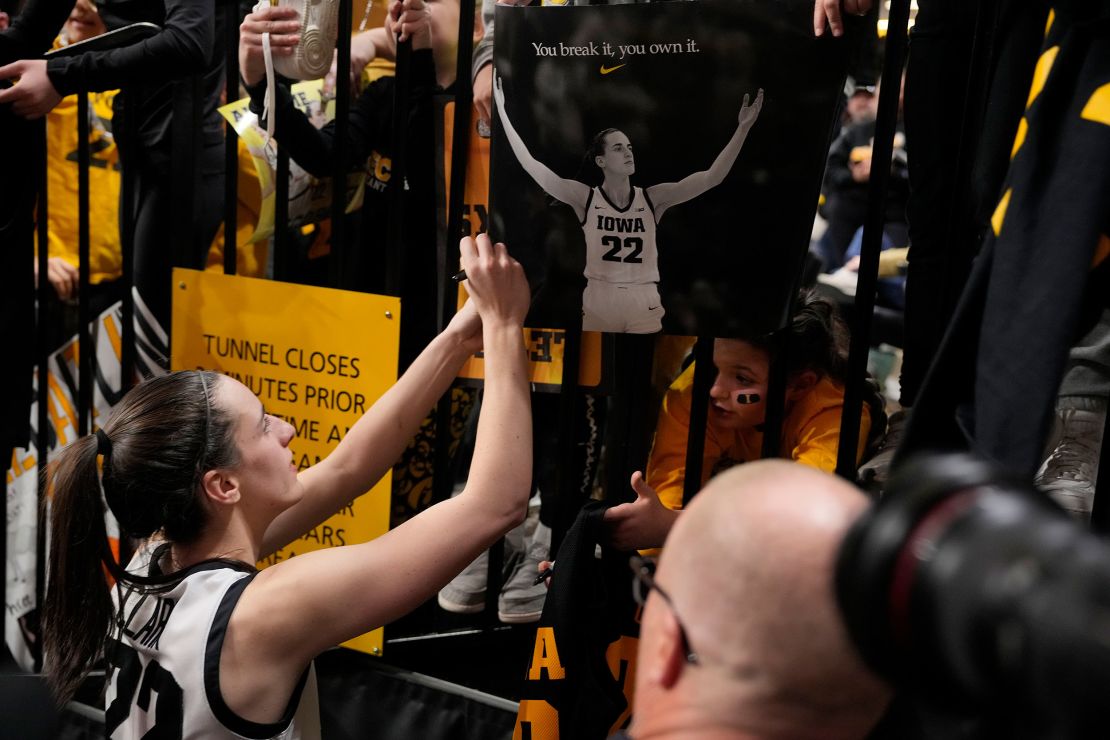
(643, 570)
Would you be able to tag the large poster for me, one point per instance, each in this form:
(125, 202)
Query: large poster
(316, 357)
(545, 346)
(658, 165)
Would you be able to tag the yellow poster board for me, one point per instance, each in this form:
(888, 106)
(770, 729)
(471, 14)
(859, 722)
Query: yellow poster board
(316, 357)
(545, 360)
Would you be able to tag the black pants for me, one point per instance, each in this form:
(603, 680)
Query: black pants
(22, 163)
(966, 84)
(160, 221)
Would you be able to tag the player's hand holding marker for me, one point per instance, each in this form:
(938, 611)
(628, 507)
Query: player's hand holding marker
(495, 281)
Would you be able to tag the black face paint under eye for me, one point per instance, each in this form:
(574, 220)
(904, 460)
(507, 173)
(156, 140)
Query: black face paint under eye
(747, 398)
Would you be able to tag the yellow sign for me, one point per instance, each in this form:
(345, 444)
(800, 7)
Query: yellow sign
(316, 357)
(545, 359)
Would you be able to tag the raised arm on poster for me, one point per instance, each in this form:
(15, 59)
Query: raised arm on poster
(194, 457)
(622, 271)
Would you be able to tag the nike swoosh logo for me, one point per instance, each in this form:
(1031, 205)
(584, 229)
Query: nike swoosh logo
(652, 308)
(606, 70)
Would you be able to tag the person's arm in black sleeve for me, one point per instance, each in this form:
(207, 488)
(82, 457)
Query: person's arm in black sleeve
(33, 30)
(183, 47)
(420, 169)
(314, 148)
(307, 146)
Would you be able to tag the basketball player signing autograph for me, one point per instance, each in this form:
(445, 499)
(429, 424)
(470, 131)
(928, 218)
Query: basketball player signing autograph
(619, 219)
(200, 644)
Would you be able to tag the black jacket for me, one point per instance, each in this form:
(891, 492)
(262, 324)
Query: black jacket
(586, 640)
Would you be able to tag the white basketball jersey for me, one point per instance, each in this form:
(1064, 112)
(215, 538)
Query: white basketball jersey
(620, 242)
(165, 663)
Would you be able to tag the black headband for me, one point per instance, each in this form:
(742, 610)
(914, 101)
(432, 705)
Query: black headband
(103, 444)
(207, 422)
(115, 504)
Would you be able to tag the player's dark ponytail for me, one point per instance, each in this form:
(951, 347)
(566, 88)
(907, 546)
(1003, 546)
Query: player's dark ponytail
(164, 435)
(77, 607)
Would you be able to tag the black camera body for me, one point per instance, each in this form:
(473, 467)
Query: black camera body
(973, 590)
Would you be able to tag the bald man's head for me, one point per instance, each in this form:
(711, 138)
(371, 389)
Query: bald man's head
(749, 567)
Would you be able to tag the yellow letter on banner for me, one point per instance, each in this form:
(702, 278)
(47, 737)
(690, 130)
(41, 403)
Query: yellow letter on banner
(545, 656)
(621, 657)
(536, 720)
(316, 357)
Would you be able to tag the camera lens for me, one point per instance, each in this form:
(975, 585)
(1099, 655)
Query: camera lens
(976, 590)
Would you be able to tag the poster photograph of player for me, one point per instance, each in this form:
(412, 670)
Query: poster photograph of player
(656, 167)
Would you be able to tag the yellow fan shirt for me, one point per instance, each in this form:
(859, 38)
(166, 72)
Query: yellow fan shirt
(104, 184)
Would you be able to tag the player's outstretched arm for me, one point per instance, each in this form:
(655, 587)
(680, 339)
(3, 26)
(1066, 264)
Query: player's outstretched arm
(573, 193)
(378, 438)
(296, 608)
(665, 195)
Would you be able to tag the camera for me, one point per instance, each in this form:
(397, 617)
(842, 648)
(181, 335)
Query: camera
(970, 589)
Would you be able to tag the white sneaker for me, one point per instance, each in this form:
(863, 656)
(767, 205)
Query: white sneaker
(466, 593)
(319, 28)
(521, 599)
(1070, 472)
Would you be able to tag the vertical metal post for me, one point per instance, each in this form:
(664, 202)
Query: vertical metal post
(566, 474)
(127, 243)
(872, 238)
(127, 254)
(395, 233)
(1100, 515)
(340, 276)
(42, 430)
(624, 450)
(460, 153)
(280, 240)
(776, 390)
(447, 289)
(231, 139)
(84, 341)
(639, 438)
(185, 170)
(699, 415)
